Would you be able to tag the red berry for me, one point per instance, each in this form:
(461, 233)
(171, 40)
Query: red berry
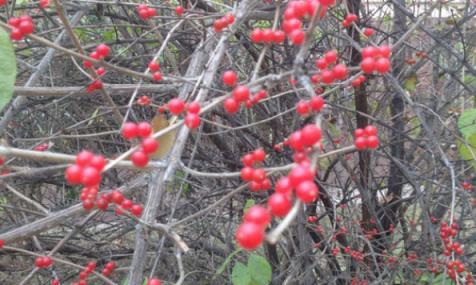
(370, 130)
(231, 105)
(129, 130)
(111, 265)
(259, 175)
(194, 107)
(73, 174)
(16, 34)
(297, 37)
(192, 121)
(176, 106)
(153, 281)
(382, 65)
(307, 192)
(330, 56)
(367, 65)
(283, 185)
(98, 162)
(279, 36)
(88, 204)
(139, 159)
(154, 66)
(241, 93)
(144, 129)
(90, 176)
(339, 71)
(230, 18)
(359, 132)
(259, 154)
(385, 50)
(291, 25)
(106, 272)
(54, 281)
(102, 50)
(249, 235)
(84, 158)
(26, 27)
(2, 243)
(47, 261)
(327, 76)
(257, 215)
(248, 159)
(372, 142)
(246, 173)
(126, 204)
(102, 204)
(157, 76)
(310, 135)
(279, 204)
(360, 143)
(179, 10)
(295, 141)
(369, 51)
(100, 71)
(316, 103)
(149, 145)
(302, 108)
(257, 36)
(368, 32)
(321, 63)
(117, 197)
(136, 210)
(229, 78)
(300, 174)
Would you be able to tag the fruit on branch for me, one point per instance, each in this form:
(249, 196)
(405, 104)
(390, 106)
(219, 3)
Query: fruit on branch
(366, 138)
(249, 235)
(317, 103)
(143, 100)
(145, 12)
(300, 174)
(257, 215)
(130, 130)
(279, 204)
(230, 78)
(140, 159)
(136, 210)
(283, 186)
(241, 93)
(321, 63)
(103, 50)
(43, 262)
(231, 105)
(192, 120)
(193, 107)
(303, 108)
(22, 26)
(307, 191)
(154, 281)
(179, 10)
(375, 59)
(144, 129)
(176, 106)
(153, 66)
(223, 22)
(368, 32)
(149, 145)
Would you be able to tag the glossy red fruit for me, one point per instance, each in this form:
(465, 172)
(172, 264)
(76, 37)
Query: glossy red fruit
(248, 159)
(300, 174)
(321, 63)
(359, 132)
(26, 27)
(283, 185)
(106, 272)
(98, 162)
(129, 131)
(54, 281)
(139, 159)
(295, 141)
(370, 130)
(316, 103)
(176, 106)
(258, 215)
(73, 174)
(102, 50)
(291, 25)
(47, 261)
(149, 145)
(249, 235)
(369, 51)
(360, 143)
(297, 37)
(136, 210)
(126, 204)
(372, 142)
(90, 176)
(259, 174)
(368, 32)
(102, 204)
(279, 204)
(385, 51)
(193, 107)
(307, 192)
(331, 56)
(100, 71)
(88, 204)
(246, 173)
(111, 265)
(179, 10)
(154, 66)
(154, 281)
(144, 129)
(16, 34)
(231, 105)
(279, 36)
(367, 65)
(382, 65)
(157, 76)
(256, 35)
(241, 93)
(230, 18)
(2, 243)
(302, 108)
(192, 121)
(117, 197)
(310, 134)
(327, 76)
(84, 158)
(230, 78)
(259, 154)
(339, 71)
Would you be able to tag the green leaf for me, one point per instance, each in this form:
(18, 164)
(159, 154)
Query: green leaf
(467, 150)
(410, 83)
(260, 269)
(249, 203)
(8, 72)
(108, 36)
(240, 275)
(467, 123)
(226, 262)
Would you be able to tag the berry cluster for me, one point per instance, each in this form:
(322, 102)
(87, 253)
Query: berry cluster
(256, 176)
(22, 26)
(327, 75)
(304, 138)
(250, 233)
(375, 59)
(267, 36)
(145, 12)
(108, 268)
(154, 67)
(366, 138)
(296, 12)
(177, 106)
(102, 51)
(349, 19)
(223, 22)
(148, 144)
(305, 107)
(467, 186)
(86, 170)
(43, 262)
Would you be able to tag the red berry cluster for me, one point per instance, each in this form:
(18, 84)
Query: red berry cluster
(250, 233)
(145, 12)
(296, 12)
(256, 176)
(349, 19)
(305, 107)
(267, 36)
(357, 81)
(154, 67)
(154, 281)
(375, 59)
(86, 170)
(223, 22)
(357, 255)
(44, 3)
(83, 275)
(102, 51)
(366, 138)
(467, 186)
(43, 262)
(177, 106)
(447, 233)
(304, 138)
(328, 75)
(144, 100)
(22, 26)
(148, 144)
